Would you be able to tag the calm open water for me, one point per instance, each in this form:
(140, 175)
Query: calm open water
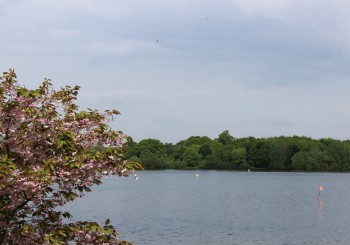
(223, 207)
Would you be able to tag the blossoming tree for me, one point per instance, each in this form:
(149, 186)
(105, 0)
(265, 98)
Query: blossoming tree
(48, 157)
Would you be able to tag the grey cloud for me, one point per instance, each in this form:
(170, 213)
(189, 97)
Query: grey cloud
(181, 68)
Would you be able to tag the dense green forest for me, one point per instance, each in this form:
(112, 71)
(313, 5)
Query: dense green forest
(227, 152)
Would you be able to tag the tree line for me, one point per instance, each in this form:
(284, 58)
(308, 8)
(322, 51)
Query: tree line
(285, 153)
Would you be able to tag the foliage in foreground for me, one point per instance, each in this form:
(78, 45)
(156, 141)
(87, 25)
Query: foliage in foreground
(47, 159)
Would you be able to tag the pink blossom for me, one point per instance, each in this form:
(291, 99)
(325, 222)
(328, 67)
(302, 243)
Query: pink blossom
(47, 159)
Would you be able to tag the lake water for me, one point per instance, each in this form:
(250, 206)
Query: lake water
(223, 207)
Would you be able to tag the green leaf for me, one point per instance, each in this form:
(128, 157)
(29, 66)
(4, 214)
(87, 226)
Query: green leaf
(25, 227)
(62, 233)
(93, 228)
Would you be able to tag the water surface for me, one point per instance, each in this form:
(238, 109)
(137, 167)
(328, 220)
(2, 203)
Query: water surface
(223, 207)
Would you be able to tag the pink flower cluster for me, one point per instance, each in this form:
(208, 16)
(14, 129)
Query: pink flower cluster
(51, 153)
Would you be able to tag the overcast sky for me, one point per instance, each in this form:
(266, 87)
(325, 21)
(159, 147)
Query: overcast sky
(181, 68)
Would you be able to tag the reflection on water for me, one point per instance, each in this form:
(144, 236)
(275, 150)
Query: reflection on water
(222, 207)
(320, 205)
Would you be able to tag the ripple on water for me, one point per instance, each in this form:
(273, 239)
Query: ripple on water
(221, 207)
